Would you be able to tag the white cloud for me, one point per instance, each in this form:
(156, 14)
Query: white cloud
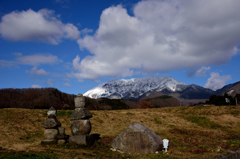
(34, 71)
(202, 71)
(160, 36)
(36, 86)
(86, 31)
(17, 54)
(9, 64)
(90, 69)
(38, 59)
(33, 60)
(216, 81)
(36, 26)
(50, 82)
(67, 85)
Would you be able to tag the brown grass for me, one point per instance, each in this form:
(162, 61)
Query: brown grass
(194, 132)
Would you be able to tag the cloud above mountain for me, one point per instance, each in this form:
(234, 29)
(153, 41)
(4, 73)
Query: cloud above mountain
(216, 81)
(202, 71)
(160, 36)
(42, 25)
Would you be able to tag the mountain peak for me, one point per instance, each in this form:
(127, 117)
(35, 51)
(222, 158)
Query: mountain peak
(138, 88)
(133, 88)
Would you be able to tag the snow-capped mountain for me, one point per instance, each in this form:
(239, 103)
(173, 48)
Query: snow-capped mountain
(135, 88)
(138, 88)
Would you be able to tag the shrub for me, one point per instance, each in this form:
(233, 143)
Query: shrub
(144, 104)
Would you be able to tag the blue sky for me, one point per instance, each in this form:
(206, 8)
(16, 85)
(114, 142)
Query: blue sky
(74, 45)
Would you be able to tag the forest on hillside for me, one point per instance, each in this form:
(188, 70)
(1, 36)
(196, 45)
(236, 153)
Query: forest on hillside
(35, 98)
(44, 98)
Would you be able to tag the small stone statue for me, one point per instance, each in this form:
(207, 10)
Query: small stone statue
(62, 137)
(51, 127)
(81, 126)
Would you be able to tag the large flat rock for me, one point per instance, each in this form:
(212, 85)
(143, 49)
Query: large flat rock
(137, 139)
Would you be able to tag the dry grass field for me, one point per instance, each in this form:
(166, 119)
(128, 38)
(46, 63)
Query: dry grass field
(193, 132)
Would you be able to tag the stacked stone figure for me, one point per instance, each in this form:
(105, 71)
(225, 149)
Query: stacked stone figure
(62, 137)
(81, 126)
(51, 127)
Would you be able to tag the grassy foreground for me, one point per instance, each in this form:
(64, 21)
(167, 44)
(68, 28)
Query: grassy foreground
(193, 132)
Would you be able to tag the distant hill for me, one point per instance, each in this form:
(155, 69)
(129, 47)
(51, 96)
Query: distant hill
(227, 88)
(35, 98)
(232, 89)
(168, 93)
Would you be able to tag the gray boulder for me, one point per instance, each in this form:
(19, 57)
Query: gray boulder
(52, 112)
(51, 123)
(81, 127)
(80, 113)
(137, 139)
(50, 133)
(234, 155)
(50, 136)
(62, 135)
(79, 101)
(81, 140)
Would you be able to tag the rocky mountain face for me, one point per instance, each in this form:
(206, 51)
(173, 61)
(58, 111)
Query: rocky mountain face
(134, 88)
(138, 88)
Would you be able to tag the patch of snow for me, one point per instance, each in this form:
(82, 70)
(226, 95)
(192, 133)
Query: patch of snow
(230, 92)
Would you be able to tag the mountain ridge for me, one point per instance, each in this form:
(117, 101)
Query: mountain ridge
(133, 88)
(138, 88)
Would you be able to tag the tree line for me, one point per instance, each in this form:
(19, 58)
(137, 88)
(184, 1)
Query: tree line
(219, 100)
(35, 98)
(44, 98)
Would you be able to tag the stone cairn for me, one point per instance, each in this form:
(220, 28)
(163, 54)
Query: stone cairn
(51, 127)
(81, 126)
(62, 137)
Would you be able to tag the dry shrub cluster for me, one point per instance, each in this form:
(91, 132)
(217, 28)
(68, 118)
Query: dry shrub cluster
(144, 104)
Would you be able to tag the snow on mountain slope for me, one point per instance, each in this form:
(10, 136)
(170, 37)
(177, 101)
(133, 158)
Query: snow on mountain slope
(134, 88)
